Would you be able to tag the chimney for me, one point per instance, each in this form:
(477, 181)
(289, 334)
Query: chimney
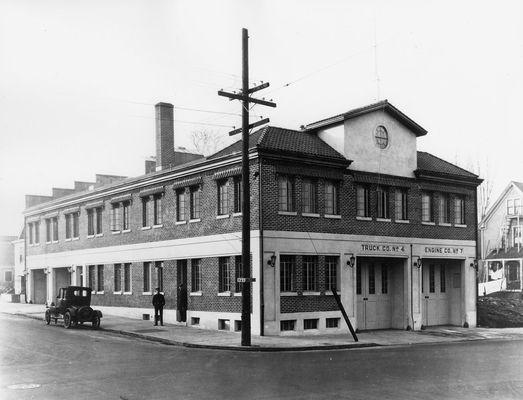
(164, 135)
(150, 165)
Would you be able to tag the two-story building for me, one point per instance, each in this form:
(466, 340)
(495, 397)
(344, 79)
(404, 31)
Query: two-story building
(345, 204)
(501, 233)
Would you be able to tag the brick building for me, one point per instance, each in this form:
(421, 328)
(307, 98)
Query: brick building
(346, 203)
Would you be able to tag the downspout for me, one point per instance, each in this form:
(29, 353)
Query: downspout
(478, 256)
(260, 228)
(411, 290)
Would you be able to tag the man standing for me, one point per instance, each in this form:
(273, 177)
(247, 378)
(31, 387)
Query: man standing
(158, 303)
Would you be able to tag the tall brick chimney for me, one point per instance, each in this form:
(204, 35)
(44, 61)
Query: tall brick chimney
(164, 135)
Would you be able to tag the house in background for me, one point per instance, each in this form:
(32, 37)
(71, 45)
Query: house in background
(20, 272)
(501, 242)
(7, 268)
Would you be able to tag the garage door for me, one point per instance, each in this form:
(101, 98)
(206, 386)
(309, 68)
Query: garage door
(373, 295)
(435, 294)
(39, 286)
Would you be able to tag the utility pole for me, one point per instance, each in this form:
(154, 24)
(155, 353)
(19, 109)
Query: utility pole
(244, 97)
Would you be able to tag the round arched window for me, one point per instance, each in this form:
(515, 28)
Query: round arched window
(382, 137)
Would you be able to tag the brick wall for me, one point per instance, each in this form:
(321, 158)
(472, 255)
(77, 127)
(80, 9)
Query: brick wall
(348, 224)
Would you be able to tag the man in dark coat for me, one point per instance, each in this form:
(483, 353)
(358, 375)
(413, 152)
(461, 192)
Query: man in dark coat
(158, 303)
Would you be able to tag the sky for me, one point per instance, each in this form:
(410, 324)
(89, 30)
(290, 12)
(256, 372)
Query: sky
(79, 79)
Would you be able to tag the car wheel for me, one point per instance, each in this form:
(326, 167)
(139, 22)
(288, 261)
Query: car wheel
(47, 317)
(96, 321)
(67, 320)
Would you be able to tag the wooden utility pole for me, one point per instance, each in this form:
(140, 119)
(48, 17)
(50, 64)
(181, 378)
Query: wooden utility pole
(246, 278)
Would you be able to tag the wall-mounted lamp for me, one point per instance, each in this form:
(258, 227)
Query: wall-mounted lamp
(416, 261)
(71, 269)
(351, 261)
(272, 261)
(474, 264)
(47, 270)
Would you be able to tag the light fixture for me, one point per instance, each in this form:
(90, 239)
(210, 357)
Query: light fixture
(416, 261)
(272, 261)
(71, 269)
(351, 261)
(474, 264)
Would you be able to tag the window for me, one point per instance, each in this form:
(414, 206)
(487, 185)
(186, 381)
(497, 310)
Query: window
(223, 201)
(147, 277)
(117, 277)
(34, 232)
(158, 265)
(288, 325)
(331, 273)
(362, 201)
(196, 275)
(427, 211)
(55, 228)
(517, 206)
(98, 211)
(310, 324)
(195, 202)
(285, 193)
(195, 320)
(127, 277)
(287, 273)
(76, 224)
(238, 194)
(115, 217)
(517, 235)
(30, 233)
(331, 198)
(442, 279)
(90, 222)
(332, 322)
(459, 210)
(310, 273)
(92, 272)
(68, 233)
(224, 324)
(8, 276)
(48, 237)
(237, 325)
(401, 205)
(224, 278)
(382, 197)
(309, 197)
(432, 281)
(126, 207)
(384, 278)
(80, 271)
(382, 137)
(444, 208)
(71, 225)
(372, 279)
(238, 273)
(358, 280)
(180, 205)
(510, 207)
(157, 208)
(145, 211)
(100, 279)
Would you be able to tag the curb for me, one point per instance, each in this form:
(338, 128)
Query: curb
(257, 349)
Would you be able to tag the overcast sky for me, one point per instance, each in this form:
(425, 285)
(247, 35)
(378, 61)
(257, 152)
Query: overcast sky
(79, 79)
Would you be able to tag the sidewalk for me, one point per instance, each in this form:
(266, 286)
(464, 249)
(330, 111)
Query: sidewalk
(203, 338)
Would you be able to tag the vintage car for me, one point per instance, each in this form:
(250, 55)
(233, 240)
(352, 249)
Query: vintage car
(73, 305)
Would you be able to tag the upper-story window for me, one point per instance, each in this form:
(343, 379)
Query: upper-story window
(126, 208)
(444, 208)
(152, 210)
(381, 136)
(51, 229)
(401, 205)
(238, 194)
(331, 198)
(517, 235)
(115, 217)
(459, 210)
(285, 193)
(157, 209)
(309, 198)
(427, 207)
(72, 225)
(362, 201)
(34, 232)
(94, 221)
(223, 198)
(145, 211)
(514, 206)
(195, 201)
(180, 204)
(382, 197)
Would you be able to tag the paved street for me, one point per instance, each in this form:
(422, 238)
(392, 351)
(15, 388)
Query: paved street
(87, 364)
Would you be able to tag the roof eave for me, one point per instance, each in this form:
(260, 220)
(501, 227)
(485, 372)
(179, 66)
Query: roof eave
(450, 178)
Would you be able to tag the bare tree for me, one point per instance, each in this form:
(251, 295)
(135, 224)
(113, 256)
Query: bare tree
(206, 141)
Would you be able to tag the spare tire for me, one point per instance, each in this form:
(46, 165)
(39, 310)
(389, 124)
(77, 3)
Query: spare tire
(84, 313)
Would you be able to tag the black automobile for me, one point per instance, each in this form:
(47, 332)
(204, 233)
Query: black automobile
(73, 305)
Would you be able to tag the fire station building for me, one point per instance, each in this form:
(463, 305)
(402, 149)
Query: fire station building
(347, 204)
